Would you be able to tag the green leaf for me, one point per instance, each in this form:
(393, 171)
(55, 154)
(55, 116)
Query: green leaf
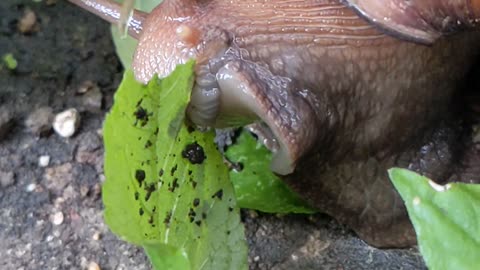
(256, 187)
(125, 45)
(446, 219)
(10, 61)
(157, 198)
(166, 257)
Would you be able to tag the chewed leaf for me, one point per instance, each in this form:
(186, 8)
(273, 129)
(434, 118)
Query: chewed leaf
(255, 185)
(166, 187)
(446, 219)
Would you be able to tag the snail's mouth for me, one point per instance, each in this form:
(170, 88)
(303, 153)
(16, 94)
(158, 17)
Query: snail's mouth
(233, 105)
(238, 96)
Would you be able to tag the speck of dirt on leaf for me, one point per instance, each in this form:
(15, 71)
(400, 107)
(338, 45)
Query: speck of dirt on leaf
(140, 176)
(174, 185)
(198, 222)
(160, 173)
(194, 183)
(196, 202)
(142, 116)
(194, 153)
(148, 144)
(140, 211)
(218, 194)
(173, 170)
(191, 215)
(136, 196)
(149, 189)
(139, 102)
(168, 216)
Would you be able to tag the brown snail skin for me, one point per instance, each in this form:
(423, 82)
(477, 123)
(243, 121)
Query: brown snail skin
(346, 89)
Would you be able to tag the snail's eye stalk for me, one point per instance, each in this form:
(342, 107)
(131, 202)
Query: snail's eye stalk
(129, 19)
(126, 15)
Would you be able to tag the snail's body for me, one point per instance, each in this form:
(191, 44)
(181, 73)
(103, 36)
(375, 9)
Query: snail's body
(344, 100)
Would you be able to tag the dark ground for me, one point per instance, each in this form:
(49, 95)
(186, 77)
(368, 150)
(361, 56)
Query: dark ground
(51, 217)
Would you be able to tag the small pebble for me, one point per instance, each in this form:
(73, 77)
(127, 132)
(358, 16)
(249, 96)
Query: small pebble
(58, 202)
(253, 214)
(43, 161)
(96, 236)
(92, 100)
(85, 87)
(57, 218)
(6, 179)
(39, 122)
(28, 23)
(84, 190)
(31, 187)
(100, 132)
(93, 266)
(96, 190)
(66, 123)
(58, 177)
(476, 133)
(91, 96)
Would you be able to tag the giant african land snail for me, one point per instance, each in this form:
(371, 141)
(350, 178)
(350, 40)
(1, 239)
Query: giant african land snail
(347, 88)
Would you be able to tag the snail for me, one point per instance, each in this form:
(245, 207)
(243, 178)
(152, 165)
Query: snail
(340, 91)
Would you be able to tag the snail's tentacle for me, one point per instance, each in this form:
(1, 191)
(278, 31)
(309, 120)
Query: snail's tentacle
(111, 11)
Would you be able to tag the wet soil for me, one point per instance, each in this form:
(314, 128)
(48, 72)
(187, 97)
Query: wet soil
(51, 214)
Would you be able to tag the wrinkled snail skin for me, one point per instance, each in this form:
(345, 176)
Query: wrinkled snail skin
(421, 20)
(344, 99)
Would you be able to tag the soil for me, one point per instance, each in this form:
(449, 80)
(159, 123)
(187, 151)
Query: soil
(50, 188)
